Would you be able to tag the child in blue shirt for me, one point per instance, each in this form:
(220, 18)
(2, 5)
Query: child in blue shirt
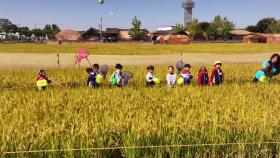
(269, 69)
(92, 74)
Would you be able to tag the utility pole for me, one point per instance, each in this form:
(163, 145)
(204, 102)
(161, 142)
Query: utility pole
(101, 23)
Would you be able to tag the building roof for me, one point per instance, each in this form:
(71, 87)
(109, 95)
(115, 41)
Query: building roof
(265, 35)
(161, 32)
(68, 34)
(240, 32)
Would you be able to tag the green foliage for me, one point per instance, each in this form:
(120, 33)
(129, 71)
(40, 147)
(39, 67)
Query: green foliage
(7, 26)
(179, 29)
(24, 31)
(251, 28)
(195, 29)
(266, 25)
(51, 30)
(204, 26)
(220, 27)
(136, 32)
(38, 32)
(227, 27)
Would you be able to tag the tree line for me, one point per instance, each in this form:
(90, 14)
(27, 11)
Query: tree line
(6, 26)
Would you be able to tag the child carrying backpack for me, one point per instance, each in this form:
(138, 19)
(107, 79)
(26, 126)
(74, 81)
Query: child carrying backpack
(42, 80)
(203, 78)
(118, 76)
(217, 74)
(186, 74)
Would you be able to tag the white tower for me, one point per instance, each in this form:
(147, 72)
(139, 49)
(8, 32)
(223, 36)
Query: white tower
(188, 6)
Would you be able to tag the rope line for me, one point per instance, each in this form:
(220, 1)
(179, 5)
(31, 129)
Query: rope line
(140, 147)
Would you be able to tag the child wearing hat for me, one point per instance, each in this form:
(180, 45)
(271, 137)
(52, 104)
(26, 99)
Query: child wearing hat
(203, 78)
(217, 74)
(186, 74)
(42, 80)
(118, 76)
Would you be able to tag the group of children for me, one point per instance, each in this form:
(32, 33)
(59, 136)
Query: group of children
(120, 78)
(184, 76)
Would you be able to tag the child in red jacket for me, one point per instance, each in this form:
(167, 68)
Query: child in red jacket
(217, 75)
(186, 74)
(203, 78)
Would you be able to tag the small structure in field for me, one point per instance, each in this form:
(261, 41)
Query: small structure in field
(68, 35)
(262, 38)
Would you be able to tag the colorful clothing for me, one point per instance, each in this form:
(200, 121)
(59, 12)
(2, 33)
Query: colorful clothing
(217, 76)
(117, 78)
(186, 75)
(202, 79)
(91, 82)
(42, 82)
(267, 72)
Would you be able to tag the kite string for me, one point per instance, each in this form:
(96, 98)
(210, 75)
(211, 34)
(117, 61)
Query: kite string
(139, 147)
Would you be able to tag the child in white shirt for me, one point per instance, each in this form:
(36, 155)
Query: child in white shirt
(171, 77)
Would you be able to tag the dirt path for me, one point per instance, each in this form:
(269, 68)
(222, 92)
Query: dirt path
(20, 60)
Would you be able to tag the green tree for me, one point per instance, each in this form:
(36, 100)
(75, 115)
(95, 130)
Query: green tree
(24, 31)
(38, 32)
(215, 27)
(220, 27)
(179, 29)
(194, 29)
(227, 27)
(251, 28)
(204, 26)
(267, 25)
(51, 30)
(136, 32)
(7, 26)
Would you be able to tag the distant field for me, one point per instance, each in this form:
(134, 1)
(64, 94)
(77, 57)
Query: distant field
(140, 49)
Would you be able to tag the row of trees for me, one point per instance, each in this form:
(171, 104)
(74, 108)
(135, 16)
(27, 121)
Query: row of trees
(6, 26)
(219, 28)
(266, 25)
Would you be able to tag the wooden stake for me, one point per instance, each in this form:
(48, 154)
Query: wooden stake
(58, 60)
(89, 62)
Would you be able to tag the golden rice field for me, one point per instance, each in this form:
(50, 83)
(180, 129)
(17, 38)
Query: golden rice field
(81, 118)
(141, 49)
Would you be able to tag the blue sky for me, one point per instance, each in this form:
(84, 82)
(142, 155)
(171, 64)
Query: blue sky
(82, 14)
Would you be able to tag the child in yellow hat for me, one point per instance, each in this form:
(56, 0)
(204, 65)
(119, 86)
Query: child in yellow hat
(217, 74)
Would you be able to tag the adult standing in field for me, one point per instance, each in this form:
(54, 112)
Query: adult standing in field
(269, 69)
